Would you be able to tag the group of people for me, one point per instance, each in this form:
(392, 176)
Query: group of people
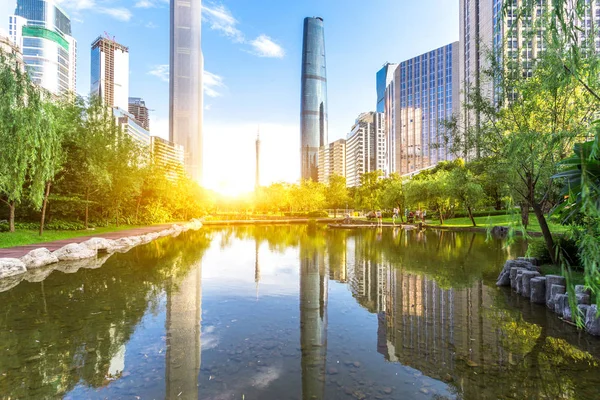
(409, 215)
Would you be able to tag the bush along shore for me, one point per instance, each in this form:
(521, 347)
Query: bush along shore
(92, 253)
(523, 276)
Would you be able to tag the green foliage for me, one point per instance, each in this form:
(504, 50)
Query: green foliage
(336, 193)
(369, 193)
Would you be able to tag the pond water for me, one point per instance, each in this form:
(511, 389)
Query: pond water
(290, 312)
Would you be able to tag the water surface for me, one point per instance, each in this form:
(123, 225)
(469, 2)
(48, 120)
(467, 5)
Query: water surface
(290, 312)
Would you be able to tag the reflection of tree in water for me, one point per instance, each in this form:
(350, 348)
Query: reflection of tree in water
(278, 237)
(68, 328)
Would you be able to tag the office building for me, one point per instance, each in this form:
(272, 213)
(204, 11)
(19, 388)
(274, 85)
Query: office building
(110, 72)
(8, 48)
(168, 156)
(185, 83)
(423, 94)
(137, 108)
(383, 78)
(365, 147)
(313, 104)
(332, 160)
(42, 30)
(130, 126)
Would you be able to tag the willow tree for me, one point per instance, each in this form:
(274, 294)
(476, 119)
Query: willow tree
(27, 138)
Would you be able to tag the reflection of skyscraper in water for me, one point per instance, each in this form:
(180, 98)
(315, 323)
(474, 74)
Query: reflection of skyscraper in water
(183, 326)
(313, 321)
(256, 266)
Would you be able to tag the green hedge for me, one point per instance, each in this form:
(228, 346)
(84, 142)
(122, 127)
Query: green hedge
(483, 213)
(56, 225)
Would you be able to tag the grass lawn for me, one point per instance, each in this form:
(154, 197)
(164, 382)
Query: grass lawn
(22, 236)
(504, 220)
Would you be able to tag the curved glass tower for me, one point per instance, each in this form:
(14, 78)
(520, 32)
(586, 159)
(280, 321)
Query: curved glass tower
(313, 108)
(185, 83)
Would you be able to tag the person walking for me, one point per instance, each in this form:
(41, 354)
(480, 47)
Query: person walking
(379, 218)
(395, 216)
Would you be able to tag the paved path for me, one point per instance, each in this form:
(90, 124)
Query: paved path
(20, 251)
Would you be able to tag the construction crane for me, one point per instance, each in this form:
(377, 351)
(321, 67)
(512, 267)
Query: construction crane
(108, 36)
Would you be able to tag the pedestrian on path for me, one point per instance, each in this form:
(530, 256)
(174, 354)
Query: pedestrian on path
(379, 218)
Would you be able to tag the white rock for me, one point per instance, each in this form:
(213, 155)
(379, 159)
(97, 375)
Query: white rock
(100, 244)
(11, 267)
(38, 258)
(74, 251)
(10, 282)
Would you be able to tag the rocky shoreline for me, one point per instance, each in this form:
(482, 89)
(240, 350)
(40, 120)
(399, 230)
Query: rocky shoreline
(36, 265)
(524, 277)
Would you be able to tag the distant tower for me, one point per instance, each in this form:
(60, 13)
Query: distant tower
(257, 178)
(313, 100)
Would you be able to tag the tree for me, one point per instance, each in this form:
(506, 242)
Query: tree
(308, 195)
(465, 189)
(336, 193)
(393, 194)
(27, 138)
(368, 194)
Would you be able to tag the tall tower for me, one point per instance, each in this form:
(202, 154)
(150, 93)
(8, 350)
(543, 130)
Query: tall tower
(185, 83)
(313, 107)
(110, 72)
(42, 31)
(257, 178)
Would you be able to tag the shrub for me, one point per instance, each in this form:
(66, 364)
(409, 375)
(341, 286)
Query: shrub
(317, 214)
(58, 225)
(4, 227)
(482, 213)
(568, 247)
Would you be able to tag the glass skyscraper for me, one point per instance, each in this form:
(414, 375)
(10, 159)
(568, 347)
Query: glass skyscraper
(423, 94)
(185, 83)
(313, 107)
(42, 30)
(383, 79)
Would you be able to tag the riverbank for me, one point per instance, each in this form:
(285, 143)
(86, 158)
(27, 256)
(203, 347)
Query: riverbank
(270, 222)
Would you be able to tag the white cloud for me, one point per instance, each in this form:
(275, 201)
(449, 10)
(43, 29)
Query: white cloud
(150, 3)
(77, 6)
(151, 25)
(220, 19)
(161, 72)
(264, 46)
(212, 83)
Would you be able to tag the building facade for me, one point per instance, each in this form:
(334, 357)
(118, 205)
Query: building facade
(167, 155)
(332, 160)
(110, 72)
(42, 30)
(383, 78)
(422, 95)
(365, 147)
(137, 108)
(130, 126)
(313, 104)
(185, 83)
(10, 49)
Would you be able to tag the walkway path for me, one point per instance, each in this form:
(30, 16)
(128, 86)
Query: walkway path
(20, 251)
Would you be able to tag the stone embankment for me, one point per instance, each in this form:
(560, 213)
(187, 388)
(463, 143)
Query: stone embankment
(92, 253)
(524, 277)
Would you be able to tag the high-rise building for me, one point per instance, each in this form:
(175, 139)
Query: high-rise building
(332, 160)
(130, 126)
(313, 105)
(383, 78)
(42, 30)
(365, 147)
(137, 108)
(7, 46)
(110, 72)
(168, 156)
(185, 83)
(423, 94)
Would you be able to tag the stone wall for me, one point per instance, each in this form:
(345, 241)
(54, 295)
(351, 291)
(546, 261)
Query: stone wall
(524, 277)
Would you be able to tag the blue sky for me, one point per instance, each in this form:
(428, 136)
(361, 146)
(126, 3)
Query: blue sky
(252, 55)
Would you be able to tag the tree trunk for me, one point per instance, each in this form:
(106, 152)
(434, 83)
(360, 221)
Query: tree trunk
(44, 205)
(137, 209)
(537, 209)
(441, 216)
(87, 208)
(525, 215)
(11, 218)
(471, 216)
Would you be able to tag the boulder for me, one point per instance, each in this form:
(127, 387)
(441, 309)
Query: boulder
(10, 282)
(538, 290)
(583, 298)
(560, 301)
(555, 290)
(39, 274)
(531, 260)
(11, 267)
(100, 244)
(503, 278)
(581, 289)
(38, 258)
(582, 310)
(592, 321)
(525, 283)
(553, 280)
(73, 252)
(499, 232)
(519, 281)
(513, 276)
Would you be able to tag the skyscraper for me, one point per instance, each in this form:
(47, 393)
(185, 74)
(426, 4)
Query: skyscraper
(423, 94)
(42, 30)
(110, 73)
(313, 107)
(137, 108)
(365, 147)
(332, 160)
(383, 78)
(185, 83)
